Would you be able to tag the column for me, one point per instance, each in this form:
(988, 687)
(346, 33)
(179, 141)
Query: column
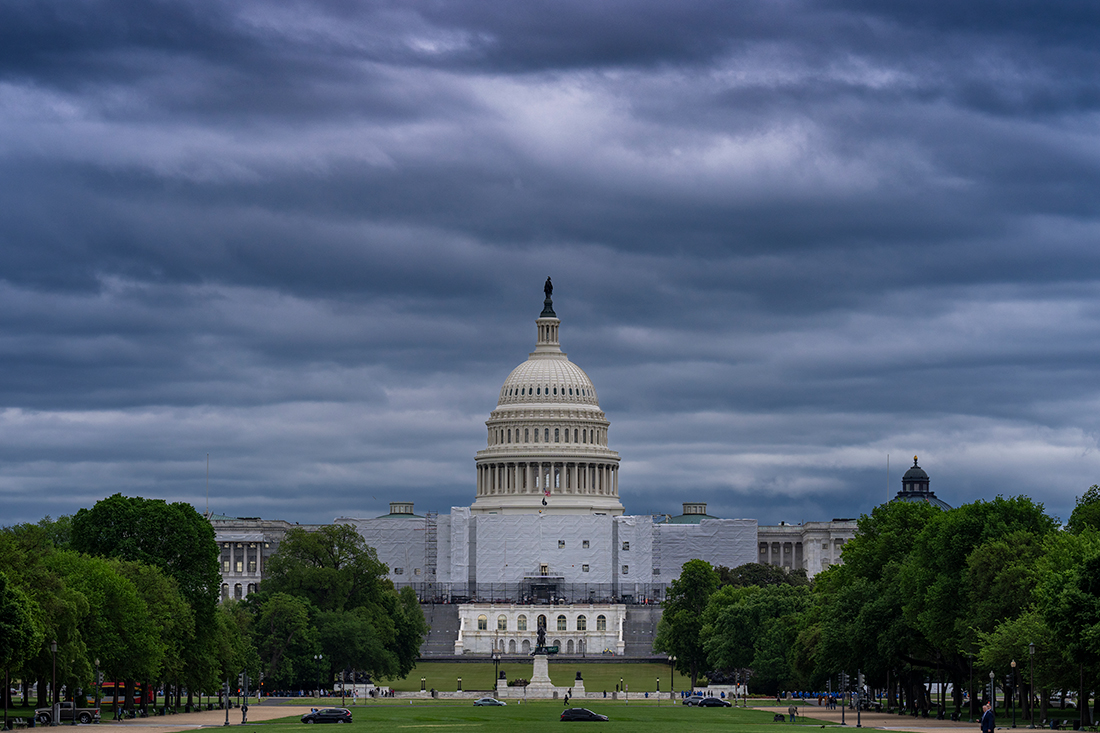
(615, 477)
(573, 478)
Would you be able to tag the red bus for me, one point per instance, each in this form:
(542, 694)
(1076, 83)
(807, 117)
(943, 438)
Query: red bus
(141, 695)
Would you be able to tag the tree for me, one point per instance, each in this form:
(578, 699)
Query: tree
(284, 637)
(172, 537)
(1087, 511)
(20, 633)
(681, 624)
(332, 567)
(760, 574)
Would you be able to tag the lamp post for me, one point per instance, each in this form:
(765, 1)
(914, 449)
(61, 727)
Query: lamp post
(318, 658)
(971, 659)
(992, 694)
(55, 709)
(1031, 687)
(671, 673)
(1014, 688)
(343, 684)
(97, 684)
(496, 669)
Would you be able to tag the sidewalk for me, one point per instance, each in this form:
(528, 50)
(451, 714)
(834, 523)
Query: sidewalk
(881, 721)
(191, 721)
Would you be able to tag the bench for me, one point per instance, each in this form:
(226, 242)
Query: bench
(19, 723)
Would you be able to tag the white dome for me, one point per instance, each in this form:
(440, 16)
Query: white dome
(542, 380)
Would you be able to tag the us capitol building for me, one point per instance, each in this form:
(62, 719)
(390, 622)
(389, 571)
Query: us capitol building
(546, 541)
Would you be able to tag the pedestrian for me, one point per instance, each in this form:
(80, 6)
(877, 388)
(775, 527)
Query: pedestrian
(988, 722)
(792, 711)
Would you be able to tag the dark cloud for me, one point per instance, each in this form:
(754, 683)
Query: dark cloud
(789, 239)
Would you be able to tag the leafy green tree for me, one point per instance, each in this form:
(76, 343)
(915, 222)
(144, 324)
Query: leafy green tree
(20, 632)
(1087, 511)
(679, 632)
(760, 574)
(117, 627)
(756, 627)
(331, 567)
(285, 638)
(172, 537)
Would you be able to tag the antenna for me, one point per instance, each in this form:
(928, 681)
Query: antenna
(887, 477)
(208, 486)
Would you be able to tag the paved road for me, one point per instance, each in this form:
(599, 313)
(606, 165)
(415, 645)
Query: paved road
(881, 721)
(191, 721)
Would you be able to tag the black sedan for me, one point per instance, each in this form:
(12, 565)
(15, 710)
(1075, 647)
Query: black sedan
(581, 714)
(713, 702)
(328, 715)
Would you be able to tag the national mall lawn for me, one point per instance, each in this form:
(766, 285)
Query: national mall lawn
(534, 717)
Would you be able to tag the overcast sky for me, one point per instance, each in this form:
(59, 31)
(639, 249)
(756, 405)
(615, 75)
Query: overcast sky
(309, 239)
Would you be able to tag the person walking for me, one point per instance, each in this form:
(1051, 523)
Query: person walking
(988, 722)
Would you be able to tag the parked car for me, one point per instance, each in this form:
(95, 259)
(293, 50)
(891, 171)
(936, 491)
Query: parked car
(693, 698)
(581, 714)
(712, 702)
(489, 701)
(44, 716)
(328, 715)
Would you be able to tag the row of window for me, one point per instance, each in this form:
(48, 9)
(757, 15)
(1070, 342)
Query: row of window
(580, 435)
(584, 545)
(239, 566)
(401, 571)
(540, 391)
(521, 623)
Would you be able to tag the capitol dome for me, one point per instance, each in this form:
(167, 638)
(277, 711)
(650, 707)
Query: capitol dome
(547, 438)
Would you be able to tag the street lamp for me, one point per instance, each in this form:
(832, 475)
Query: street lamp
(318, 658)
(672, 673)
(992, 694)
(97, 683)
(971, 658)
(1013, 693)
(496, 669)
(56, 708)
(1031, 687)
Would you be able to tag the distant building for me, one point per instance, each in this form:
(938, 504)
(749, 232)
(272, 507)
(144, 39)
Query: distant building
(246, 543)
(914, 487)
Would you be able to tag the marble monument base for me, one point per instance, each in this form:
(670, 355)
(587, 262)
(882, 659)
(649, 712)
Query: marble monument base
(540, 684)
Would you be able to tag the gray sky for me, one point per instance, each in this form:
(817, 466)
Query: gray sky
(787, 239)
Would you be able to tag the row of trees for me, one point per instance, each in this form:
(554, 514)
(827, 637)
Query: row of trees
(923, 595)
(133, 584)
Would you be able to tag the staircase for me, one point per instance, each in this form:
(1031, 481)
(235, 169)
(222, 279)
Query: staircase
(442, 619)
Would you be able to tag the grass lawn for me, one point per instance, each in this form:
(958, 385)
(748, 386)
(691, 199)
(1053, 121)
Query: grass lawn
(597, 677)
(540, 716)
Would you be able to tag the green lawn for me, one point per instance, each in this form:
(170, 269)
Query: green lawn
(541, 716)
(597, 677)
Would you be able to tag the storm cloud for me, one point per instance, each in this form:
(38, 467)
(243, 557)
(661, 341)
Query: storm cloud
(788, 239)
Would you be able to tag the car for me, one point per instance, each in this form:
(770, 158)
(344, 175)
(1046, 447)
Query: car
(693, 699)
(328, 715)
(581, 714)
(713, 702)
(489, 701)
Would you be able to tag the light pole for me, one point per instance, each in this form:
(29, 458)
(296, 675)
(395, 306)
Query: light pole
(971, 658)
(1014, 687)
(992, 694)
(318, 658)
(97, 684)
(1031, 687)
(343, 684)
(496, 669)
(55, 709)
(671, 673)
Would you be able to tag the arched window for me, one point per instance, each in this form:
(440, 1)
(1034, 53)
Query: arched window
(536, 435)
(582, 623)
(584, 436)
(238, 591)
(601, 623)
(225, 591)
(521, 623)
(482, 622)
(570, 391)
(561, 622)
(557, 435)
(526, 435)
(502, 623)
(574, 435)
(546, 435)
(542, 621)
(538, 390)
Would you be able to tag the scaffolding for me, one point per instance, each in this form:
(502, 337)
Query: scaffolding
(431, 552)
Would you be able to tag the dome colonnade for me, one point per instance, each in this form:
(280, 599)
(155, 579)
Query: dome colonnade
(547, 438)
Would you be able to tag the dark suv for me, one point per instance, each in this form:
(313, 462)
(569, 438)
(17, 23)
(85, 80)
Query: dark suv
(328, 715)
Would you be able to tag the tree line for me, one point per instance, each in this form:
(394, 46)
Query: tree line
(134, 585)
(923, 595)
